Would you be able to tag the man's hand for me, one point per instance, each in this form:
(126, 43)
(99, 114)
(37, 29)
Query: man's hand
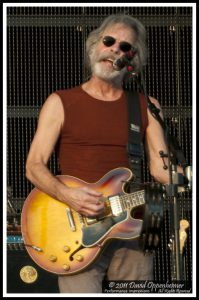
(85, 201)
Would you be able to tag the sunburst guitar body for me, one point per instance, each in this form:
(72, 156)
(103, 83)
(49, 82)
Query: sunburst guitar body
(62, 241)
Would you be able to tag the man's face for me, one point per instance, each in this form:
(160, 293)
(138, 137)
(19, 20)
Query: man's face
(102, 56)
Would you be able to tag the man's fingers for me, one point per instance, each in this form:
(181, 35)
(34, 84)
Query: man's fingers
(92, 192)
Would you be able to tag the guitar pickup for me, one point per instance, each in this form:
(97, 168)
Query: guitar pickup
(70, 219)
(116, 206)
(90, 221)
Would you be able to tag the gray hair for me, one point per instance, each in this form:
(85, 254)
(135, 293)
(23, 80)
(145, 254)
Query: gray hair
(140, 44)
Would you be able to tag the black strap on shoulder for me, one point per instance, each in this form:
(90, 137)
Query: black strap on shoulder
(134, 145)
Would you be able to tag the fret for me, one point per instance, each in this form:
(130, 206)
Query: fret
(123, 205)
(120, 203)
(127, 203)
(132, 200)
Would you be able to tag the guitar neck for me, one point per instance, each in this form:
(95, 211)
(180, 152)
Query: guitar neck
(121, 203)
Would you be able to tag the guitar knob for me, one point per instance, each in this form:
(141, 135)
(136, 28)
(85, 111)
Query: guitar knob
(53, 258)
(79, 258)
(66, 267)
(66, 249)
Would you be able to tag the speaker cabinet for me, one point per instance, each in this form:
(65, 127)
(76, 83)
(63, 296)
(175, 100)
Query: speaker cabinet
(45, 282)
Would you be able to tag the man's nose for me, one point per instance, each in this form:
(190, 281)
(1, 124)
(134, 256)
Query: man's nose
(115, 48)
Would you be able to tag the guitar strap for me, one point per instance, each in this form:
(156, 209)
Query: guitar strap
(134, 145)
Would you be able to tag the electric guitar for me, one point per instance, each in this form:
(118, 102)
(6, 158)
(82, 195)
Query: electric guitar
(62, 241)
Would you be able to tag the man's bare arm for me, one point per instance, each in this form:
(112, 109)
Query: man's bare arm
(51, 118)
(155, 142)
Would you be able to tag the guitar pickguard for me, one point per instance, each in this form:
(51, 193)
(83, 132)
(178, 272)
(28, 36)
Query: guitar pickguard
(92, 234)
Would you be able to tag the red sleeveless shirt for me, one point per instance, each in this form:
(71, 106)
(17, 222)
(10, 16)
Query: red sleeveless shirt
(94, 135)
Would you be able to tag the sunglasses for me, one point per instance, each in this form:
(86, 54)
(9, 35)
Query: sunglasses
(109, 41)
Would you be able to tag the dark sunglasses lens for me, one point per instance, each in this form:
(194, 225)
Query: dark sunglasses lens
(108, 41)
(125, 46)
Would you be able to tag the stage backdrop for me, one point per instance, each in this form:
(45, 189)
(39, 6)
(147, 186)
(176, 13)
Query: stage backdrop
(45, 52)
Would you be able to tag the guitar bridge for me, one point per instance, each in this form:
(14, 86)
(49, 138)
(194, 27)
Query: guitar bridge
(70, 219)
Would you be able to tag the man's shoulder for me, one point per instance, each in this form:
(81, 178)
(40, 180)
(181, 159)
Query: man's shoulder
(69, 91)
(69, 96)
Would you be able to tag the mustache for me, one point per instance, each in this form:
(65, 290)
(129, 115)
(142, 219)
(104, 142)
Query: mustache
(104, 56)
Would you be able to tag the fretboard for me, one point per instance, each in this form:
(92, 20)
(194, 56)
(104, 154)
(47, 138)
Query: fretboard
(132, 200)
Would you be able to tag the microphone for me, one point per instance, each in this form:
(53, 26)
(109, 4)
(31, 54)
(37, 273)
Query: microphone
(123, 61)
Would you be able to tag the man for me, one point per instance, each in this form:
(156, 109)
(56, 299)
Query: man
(90, 124)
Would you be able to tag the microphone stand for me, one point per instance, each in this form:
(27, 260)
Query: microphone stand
(175, 179)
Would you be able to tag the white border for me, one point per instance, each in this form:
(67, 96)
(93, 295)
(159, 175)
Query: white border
(5, 5)
(101, 4)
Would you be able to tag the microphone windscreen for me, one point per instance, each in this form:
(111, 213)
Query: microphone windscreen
(118, 64)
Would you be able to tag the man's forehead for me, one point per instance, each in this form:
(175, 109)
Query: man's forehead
(114, 28)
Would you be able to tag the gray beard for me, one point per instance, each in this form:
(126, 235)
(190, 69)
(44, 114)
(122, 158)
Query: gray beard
(107, 75)
(112, 76)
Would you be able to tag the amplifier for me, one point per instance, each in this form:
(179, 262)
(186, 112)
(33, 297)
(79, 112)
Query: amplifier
(23, 274)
